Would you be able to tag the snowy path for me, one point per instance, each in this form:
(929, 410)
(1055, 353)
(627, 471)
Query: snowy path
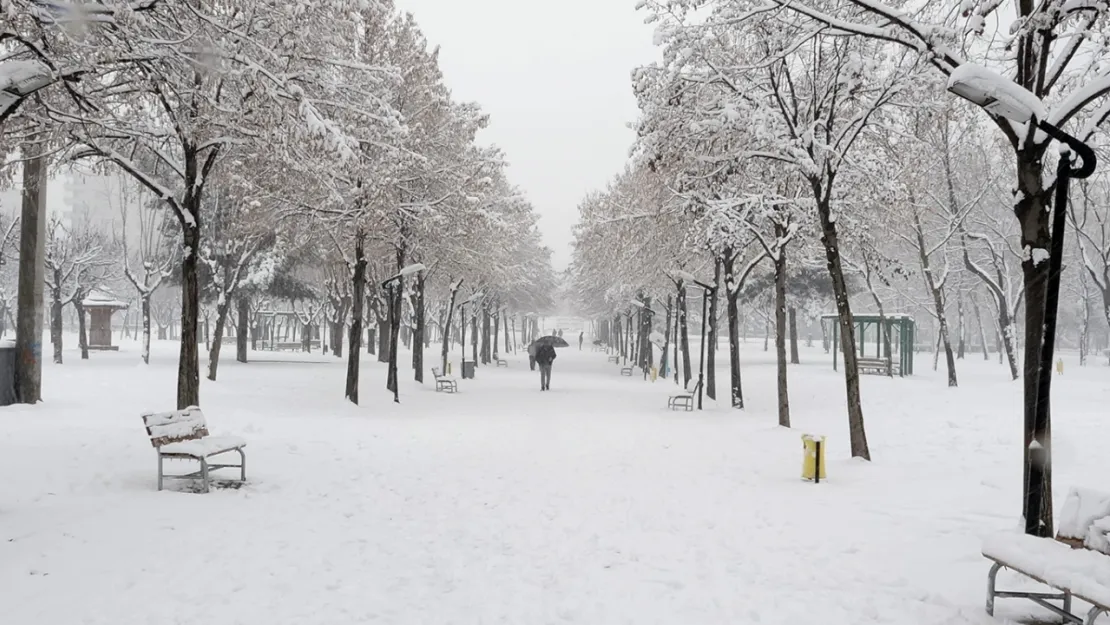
(589, 504)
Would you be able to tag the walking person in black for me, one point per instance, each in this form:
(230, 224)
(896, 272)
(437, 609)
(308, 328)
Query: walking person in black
(545, 355)
(581, 335)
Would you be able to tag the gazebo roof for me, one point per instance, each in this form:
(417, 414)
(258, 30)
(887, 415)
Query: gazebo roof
(98, 298)
(871, 318)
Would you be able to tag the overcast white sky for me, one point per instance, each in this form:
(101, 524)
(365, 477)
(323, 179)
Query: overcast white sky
(554, 77)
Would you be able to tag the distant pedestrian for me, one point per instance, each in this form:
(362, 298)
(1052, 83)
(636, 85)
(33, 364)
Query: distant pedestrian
(560, 334)
(532, 356)
(581, 337)
(545, 355)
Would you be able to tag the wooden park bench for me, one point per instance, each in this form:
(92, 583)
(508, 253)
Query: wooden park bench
(1076, 563)
(183, 435)
(501, 362)
(877, 366)
(443, 382)
(614, 358)
(685, 398)
(626, 371)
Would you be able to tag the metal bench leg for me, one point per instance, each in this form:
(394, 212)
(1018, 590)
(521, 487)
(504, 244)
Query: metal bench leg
(1067, 601)
(204, 473)
(242, 465)
(1093, 614)
(992, 579)
(159, 471)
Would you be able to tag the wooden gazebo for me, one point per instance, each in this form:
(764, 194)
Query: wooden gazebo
(101, 305)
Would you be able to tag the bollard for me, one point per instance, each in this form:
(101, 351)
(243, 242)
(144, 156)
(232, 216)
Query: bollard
(1060, 366)
(813, 458)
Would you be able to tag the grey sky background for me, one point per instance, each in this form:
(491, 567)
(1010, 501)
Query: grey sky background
(555, 79)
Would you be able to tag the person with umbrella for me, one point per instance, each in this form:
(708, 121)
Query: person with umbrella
(545, 356)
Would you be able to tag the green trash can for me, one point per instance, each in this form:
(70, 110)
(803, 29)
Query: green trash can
(468, 370)
(7, 372)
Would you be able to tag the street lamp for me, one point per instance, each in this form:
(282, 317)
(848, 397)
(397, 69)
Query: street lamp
(390, 286)
(1002, 97)
(19, 80)
(647, 315)
(462, 321)
(707, 292)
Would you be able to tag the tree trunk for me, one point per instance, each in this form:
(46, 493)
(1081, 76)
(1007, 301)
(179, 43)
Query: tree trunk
(780, 330)
(56, 321)
(358, 297)
(496, 333)
(383, 336)
(473, 339)
(792, 315)
(485, 337)
(420, 329)
(666, 340)
(732, 296)
(218, 338)
(82, 333)
(145, 303)
(961, 339)
(711, 359)
(242, 333)
(32, 279)
(684, 334)
(982, 332)
(1032, 213)
(447, 329)
(857, 432)
(188, 364)
(508, 335)
(938, 297)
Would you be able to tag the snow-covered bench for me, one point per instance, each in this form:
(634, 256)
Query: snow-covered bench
(684, 399)
(443, 382)
(614, 358)
(1076, 563)
(877, 366)
(183, 435)
(501, 362)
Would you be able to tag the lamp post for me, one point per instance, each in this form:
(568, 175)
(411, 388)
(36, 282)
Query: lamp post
(390, 286)
(1000, 96)
(647, 315)
(462, 321)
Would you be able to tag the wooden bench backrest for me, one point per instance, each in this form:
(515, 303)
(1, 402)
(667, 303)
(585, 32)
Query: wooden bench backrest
(175, 426)
(1084, 521)
(435, 372)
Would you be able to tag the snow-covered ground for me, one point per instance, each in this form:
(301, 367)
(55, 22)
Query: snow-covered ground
(590, 504)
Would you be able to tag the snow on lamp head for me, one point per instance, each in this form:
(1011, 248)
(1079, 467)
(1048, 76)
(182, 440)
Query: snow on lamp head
(995, 94)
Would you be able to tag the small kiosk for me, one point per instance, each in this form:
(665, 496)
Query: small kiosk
(101, 305)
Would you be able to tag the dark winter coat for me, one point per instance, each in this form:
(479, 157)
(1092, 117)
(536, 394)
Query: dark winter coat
(545, 354)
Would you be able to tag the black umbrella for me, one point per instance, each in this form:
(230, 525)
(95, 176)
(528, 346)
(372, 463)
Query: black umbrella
(553, 341)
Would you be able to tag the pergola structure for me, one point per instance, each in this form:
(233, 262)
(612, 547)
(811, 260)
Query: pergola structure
(901, 328)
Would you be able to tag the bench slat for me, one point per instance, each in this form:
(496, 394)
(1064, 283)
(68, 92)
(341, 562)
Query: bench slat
(175, 426)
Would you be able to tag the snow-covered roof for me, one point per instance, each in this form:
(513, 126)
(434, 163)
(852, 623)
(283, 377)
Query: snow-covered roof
(102, 299)
(870, 316)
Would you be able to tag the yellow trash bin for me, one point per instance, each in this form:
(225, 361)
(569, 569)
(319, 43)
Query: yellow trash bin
(654, 374)
(813, 457)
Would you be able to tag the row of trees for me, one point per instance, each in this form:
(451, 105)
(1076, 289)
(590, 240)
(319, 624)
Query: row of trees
(777, 137)
(306, 151)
